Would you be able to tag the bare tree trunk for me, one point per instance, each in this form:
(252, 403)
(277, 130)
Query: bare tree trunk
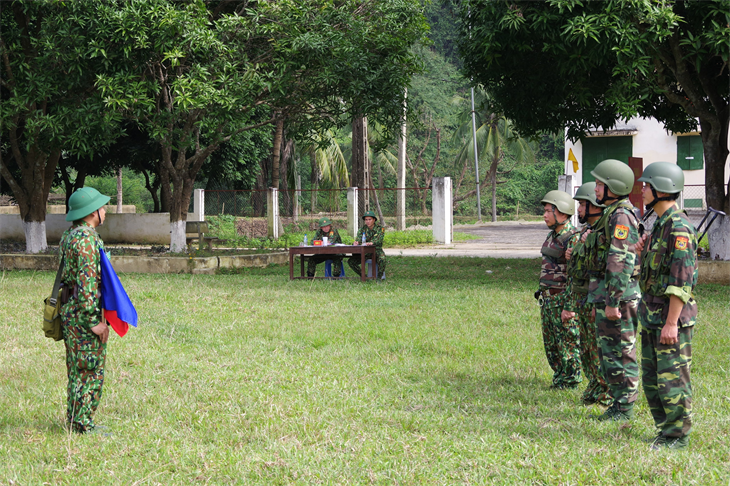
(276, 152)
(119, 191)
(359, 160)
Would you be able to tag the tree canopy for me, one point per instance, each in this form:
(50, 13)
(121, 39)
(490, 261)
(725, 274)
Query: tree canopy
(582, 65)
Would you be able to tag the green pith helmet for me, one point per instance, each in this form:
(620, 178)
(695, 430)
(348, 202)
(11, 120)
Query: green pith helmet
(83, 202)
(561, 200)
(371, 214)
(616, 175)
(587, 192)
(324, 222)
(664, 177)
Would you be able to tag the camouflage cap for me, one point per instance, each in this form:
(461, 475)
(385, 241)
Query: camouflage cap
(324, 222)
(371, 214)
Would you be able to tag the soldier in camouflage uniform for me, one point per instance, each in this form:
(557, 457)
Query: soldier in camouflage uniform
(576, 305)
(374, 234)
(667, 310)
(561, 339)
(614, 287)
(85, 332)
(333, 237)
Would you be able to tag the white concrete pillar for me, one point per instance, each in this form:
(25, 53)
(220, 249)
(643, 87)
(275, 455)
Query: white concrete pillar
(272, 212)
(443, 214)
(198, 205)
(565, 184)
(353, 221)
(400, 194)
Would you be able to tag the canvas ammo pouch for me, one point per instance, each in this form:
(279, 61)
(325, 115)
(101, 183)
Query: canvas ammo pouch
(52, 309)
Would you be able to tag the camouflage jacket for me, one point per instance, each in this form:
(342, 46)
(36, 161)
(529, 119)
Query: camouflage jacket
(577, 286)
(333, 236)
(613, 265)
(375, 235)
(553, 271)
(80, 246)
(669, 267)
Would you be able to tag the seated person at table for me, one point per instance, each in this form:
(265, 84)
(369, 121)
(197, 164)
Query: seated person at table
(374, 234)
(333, 237)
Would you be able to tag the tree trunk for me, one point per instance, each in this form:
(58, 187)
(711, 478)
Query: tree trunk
(119, 191)
(31, 192)
(152, 188)
(493, 180)
(165, 195)
(359, 160)
(714, 143)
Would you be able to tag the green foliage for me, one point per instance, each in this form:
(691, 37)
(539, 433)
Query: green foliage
(134, 191)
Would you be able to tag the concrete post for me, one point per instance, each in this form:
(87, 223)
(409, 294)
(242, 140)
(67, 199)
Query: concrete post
(565, 184)
(353, 221)
(297, 196)
(443, 215)
(400, 194)
(272, 212)
(198, 205)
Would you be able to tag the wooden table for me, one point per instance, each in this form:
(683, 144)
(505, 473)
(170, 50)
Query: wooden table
(363, 251)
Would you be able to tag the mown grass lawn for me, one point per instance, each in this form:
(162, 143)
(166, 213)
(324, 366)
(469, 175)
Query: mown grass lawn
(436, 377)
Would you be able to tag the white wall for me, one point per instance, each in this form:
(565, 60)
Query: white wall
(651, 142)
(147, 228)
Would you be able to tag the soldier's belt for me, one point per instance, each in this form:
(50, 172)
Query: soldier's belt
(547, 293)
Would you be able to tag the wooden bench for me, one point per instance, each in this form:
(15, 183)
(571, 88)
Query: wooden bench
(199, 229)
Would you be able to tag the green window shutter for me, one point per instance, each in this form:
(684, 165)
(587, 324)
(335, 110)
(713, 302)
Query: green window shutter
(598, 149)
(697, 153)
(683, 152)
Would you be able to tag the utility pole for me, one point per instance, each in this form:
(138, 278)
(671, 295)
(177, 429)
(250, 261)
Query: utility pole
(476, 155)
(400, 193)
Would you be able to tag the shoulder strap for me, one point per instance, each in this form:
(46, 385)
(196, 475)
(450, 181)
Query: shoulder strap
(57, 283)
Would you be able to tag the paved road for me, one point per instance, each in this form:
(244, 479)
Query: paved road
(512, 239)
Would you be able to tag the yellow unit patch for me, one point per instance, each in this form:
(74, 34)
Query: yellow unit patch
(621, 232)
(681, 243)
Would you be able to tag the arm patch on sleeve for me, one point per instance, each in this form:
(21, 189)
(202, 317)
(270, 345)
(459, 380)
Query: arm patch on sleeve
(681, 243)
(621, 232)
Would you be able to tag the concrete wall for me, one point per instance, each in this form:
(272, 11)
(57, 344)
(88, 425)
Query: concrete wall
(61, 209)
(651, 142)
(147, 228)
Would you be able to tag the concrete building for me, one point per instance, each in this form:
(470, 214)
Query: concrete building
(640, 142)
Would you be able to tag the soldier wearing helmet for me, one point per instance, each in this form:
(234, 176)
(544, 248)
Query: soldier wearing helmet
(613, 267)
(85, 331)
(373, 234)
(667, 310)
(577, 307)
(561, 340)
(333, 237)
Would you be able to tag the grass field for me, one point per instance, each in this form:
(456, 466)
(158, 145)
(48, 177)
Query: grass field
(437, 376)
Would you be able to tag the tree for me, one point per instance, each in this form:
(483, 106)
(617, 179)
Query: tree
(582, 65)
(48, 104)
(495, 137)
(191, 77)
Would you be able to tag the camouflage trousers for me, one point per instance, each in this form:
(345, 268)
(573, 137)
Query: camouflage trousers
(314, 260)
(85, 356)
(597, 390)
(617, 348)
(354, 262)
(665, 374)
(562, 343)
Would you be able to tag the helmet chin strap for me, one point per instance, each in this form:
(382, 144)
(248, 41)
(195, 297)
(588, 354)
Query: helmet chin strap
(557, 223)
(657, 198)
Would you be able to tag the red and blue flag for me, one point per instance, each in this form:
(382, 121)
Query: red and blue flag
(118, 309)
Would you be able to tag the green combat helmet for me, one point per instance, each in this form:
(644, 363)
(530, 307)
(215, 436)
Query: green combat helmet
(587, 192)
(561, 200)
(324, 222)
(85, 201)
(616, 175)
(371, 214)
(664, 177)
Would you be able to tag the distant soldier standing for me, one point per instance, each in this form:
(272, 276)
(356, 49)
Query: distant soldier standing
(667, 310)
(85, 331)
(561, 340)
(614, 286)
(576, 305)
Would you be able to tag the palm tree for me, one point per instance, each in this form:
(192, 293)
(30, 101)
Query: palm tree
(329, 168)
(495, 137)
